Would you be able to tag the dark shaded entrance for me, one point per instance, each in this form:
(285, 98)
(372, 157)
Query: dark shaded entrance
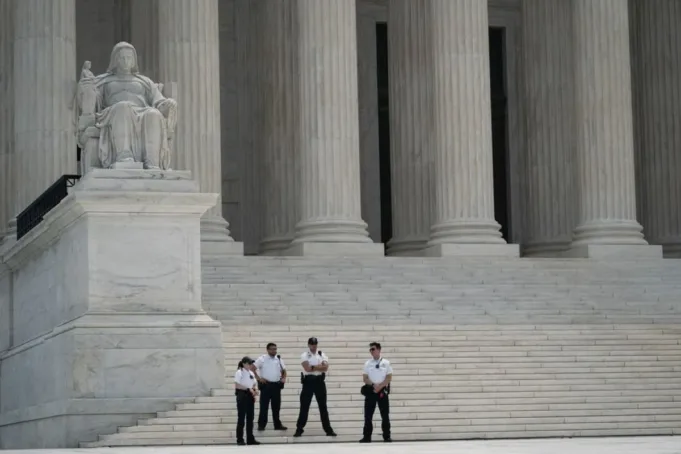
(497, 54)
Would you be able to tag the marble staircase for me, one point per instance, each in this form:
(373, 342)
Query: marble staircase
(481, 348)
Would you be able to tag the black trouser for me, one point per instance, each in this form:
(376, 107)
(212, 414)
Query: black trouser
(270, 392)
(245, 407)
(370, 402)
(313, 385)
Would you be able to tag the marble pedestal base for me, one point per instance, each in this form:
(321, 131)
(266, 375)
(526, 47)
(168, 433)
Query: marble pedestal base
(105, 306)
(311, 249)
(472, 250)
(615, 252)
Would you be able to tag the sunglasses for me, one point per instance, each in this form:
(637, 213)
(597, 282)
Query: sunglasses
(372, 349)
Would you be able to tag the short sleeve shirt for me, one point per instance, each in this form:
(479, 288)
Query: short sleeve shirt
(314, 359)
(377, 370)
(270, 368)
(244, 378)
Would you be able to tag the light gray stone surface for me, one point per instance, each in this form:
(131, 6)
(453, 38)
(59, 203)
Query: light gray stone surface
(462, 124)
(604, 134)
(411, 126)
(330, 197)
(189, 55)
(106, 296)
(548, 86)
(620, 445)
(44, 140)
(280, 126)
(7, 156)
(656, 66)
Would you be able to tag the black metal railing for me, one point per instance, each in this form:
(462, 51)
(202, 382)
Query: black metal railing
(34, 213)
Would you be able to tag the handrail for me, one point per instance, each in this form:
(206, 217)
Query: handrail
(35, 212)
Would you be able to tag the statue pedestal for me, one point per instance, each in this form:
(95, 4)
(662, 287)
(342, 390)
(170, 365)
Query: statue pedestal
(105, 308)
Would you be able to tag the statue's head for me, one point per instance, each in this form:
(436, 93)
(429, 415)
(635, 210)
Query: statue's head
(123, 59)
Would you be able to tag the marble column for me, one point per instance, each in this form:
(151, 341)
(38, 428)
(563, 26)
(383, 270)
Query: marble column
(189, 57)
(607, 224)
(144, 35)
(7, 170)
(329, 183)
(463, 217)
(657, 95)
(411, 125)
(279, 126)
(44, 87)
(549, 115)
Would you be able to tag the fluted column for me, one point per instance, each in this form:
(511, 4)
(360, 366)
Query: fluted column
(549, 99)
(280, 125)
(411, 121)
(7, 170)
(463, 220)
(657, 91)
(189, 56)
(144, 29)
(329, 188)
(605, 149)
(44, 85)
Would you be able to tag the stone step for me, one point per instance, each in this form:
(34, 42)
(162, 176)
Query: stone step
(436, 412)
(500, 348)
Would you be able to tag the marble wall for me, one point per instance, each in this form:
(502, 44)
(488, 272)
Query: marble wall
(111, 323)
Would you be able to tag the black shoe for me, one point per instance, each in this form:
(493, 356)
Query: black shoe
(365, 440)
(331, 433)
(281, 428)
(298, 433)
(387, 440)
(260, 429)
(241, 443)
(253, 442)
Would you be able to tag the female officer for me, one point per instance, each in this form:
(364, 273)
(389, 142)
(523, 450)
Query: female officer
(246, 392)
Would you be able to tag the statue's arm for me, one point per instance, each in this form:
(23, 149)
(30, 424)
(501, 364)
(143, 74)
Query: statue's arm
(157, 97)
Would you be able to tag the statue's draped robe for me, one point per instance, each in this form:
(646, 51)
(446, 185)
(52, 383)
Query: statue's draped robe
(131, 124)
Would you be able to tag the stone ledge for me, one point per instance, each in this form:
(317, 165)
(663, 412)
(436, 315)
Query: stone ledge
(311, 249)
(615, 252)
(104, 406)
(473, 250)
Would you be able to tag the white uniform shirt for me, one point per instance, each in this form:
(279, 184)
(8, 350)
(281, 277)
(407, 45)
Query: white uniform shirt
(270, 368)
(377, 375)
(314, 359)
(244, 377)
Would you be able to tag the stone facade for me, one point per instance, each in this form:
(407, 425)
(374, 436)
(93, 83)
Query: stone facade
(263, 127)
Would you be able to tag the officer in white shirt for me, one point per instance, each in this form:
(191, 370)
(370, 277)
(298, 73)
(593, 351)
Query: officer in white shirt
(246, 391)
(271, 375)
(315, 364)
(378, 374)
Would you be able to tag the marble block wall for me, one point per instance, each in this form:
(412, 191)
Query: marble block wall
(110, 326)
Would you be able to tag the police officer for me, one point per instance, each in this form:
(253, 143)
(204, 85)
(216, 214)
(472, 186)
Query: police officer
(315, 364)
(377, 376)
(271, 375)
(246, 392)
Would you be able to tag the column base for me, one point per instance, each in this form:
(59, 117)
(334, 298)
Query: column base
(547, 249)
(216, 239)
(461, 232)
(275, 245)
(407, 247)
(615, 252)
(312, 249)
(671, 249)
(473, 250)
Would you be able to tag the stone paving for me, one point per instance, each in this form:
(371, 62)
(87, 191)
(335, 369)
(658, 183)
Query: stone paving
(623, 445)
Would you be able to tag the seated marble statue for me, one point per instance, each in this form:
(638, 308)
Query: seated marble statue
(124, 118)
